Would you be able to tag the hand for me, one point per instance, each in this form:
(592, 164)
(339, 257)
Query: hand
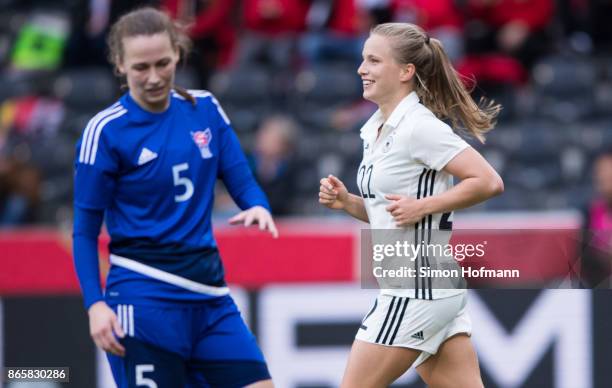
(103, 326)
(405, 210)
(333, 193)
(256, 215)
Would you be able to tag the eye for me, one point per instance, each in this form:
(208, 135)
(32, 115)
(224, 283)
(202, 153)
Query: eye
(163, 63)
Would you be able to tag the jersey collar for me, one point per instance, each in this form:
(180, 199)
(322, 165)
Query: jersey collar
(398, 113)
(137, 114)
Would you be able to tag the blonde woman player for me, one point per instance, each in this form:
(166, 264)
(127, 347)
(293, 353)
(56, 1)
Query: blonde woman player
(406, 181)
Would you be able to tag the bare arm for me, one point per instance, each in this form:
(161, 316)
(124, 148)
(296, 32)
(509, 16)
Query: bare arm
(479, 182)
(355, 207)
(334, 195)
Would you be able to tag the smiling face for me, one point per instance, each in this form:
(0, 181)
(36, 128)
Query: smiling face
(149, 63)
(385, 81)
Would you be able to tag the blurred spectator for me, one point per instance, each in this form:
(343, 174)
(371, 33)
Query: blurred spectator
(597, 229)
(337, 29)
(440, 18)
(26, 123)
(30, 117)
(271, 29)
(211, 28)
(273, 161)
(504, 38)
(91, 21)
(19, 192)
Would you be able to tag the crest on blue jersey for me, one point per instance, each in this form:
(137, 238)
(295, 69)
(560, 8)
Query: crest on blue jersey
(202, 140)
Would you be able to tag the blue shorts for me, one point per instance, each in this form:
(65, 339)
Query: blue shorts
(189, 345)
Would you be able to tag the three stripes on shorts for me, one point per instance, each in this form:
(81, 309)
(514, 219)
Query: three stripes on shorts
(387, 333)
(125, 315)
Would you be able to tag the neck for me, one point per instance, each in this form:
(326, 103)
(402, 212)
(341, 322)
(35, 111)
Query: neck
(387, 107)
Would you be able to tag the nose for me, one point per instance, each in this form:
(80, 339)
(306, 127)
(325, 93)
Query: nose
(361, 70)
(154, 77)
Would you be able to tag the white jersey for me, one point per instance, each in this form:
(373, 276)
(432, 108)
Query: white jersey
(407, 158)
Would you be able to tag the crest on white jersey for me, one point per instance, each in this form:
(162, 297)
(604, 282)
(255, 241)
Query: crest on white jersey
(388, 144)
(146, 155)
(202, 139)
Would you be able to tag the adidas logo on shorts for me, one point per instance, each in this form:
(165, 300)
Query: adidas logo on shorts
(418, 335)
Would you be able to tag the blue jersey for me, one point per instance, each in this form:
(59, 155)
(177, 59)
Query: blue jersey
(154, 174)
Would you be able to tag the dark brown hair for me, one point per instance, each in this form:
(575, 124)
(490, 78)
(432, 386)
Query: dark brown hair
(147, 21)
(437, 83)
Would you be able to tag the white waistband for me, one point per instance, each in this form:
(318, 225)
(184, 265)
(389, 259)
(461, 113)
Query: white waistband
(167, 277)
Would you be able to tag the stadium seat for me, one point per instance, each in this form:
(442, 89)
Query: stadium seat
(246, 94)
(328, 84)
(245, 85)
(564, 76)
(87, 89)
(186, 77)
(564, 88)
(318, 92)
(504, 137)
(573, 161)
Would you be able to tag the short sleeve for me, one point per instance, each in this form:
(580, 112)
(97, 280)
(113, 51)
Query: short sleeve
(95, 172)
(434, 143)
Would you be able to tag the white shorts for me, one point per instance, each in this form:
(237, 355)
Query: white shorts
(415, 323)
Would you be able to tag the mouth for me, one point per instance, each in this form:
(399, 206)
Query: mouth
(156, 91)
(367, 82)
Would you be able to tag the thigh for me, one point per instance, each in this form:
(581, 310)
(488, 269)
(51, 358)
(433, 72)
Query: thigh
(166, 327)
(454, 365)
(156, 346)
(226, 353)
(145, 365)
(373, 365)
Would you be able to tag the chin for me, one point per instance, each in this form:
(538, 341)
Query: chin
(368, 96)
(156, 104)
(158, 99)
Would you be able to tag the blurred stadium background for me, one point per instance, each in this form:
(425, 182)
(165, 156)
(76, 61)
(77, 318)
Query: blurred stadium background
(285, 72)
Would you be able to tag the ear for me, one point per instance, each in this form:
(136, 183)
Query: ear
(407, 72)
(120, 66)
